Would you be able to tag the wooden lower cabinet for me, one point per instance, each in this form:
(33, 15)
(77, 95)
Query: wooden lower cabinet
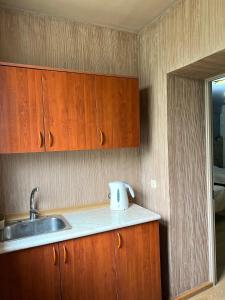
(30, 274)
(88, 268)
(138, 263)
(117, 265)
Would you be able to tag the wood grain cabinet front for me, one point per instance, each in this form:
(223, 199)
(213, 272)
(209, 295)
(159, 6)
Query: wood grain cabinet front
(69, 105)
(30, 274)
(88, 268)
(138, 262)
(118, 116)
(21, 110)
(53, 110)
(119, 265)
(116, 265)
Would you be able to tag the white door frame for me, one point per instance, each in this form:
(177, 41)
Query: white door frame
(209, 178)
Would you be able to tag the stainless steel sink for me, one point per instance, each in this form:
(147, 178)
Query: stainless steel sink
(26, 228)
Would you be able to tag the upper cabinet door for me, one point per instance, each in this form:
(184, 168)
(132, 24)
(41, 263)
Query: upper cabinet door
(70, 106)
(50, 110)
(118, 111)
(21, 110)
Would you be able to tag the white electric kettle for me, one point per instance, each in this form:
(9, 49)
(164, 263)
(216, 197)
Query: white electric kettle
(118, 195)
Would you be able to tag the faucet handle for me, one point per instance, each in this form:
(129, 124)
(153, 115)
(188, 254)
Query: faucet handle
(33, 211)
(36, 189)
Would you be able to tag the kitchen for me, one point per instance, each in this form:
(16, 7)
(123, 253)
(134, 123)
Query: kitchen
(52, 55)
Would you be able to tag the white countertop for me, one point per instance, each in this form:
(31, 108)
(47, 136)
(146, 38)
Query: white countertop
(85, 223)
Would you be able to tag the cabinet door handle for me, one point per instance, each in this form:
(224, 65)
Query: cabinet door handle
(50, 136)
(41, 139)
(101, 137)
(65, 255)
(54, 256)
(119, 240)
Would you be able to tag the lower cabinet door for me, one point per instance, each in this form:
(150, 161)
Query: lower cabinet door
(88, 268)
(30, 274)
(138, 262)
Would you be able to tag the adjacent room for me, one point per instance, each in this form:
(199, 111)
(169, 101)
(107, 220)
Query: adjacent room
(112, 150)
(218, 121)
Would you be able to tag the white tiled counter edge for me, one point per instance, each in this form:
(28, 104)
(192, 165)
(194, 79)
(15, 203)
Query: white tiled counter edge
(84, 223)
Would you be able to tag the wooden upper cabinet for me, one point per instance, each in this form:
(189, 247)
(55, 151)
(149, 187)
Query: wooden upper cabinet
(118, 111)
(88, 268)
(69, 104)
(21, 110)
(55, 110)
(138, 262)
(30, 274)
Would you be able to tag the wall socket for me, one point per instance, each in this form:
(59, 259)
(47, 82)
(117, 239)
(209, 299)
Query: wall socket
(153, 183)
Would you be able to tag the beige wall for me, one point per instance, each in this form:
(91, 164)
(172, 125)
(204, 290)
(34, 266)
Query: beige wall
(188, 31)
(185, 33)
(188, 225)
(70, 178)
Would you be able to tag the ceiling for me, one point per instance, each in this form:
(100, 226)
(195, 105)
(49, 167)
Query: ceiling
(130, 15)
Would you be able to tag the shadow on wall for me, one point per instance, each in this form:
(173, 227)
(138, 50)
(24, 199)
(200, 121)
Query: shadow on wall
(146, 128)
(145, 104)
(163, 229)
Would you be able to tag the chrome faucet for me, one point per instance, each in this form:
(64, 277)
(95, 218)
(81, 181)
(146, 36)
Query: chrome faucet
(33, 211)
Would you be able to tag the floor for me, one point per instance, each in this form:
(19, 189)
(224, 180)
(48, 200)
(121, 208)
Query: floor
(217, 292)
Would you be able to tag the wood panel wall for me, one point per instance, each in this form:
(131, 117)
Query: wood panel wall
(187, 183)
(72, 178)
(187, 32)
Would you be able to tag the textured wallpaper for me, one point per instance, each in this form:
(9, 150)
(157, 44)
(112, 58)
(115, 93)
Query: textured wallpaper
(67, 178)
(187, 32)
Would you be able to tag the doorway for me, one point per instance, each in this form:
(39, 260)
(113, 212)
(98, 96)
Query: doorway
(191, 209)
(216, 169)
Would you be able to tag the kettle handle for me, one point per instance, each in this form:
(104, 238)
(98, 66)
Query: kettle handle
(130, 189)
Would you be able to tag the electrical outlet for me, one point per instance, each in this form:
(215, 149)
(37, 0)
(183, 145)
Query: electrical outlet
(153, 183)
